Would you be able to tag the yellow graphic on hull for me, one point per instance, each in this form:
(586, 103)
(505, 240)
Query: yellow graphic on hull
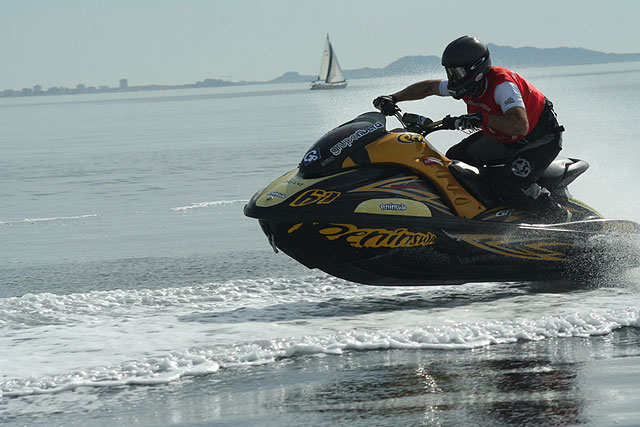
(516, 247)
(422, 157)
(294, 228)
(409, 186)
(317, 196)
(377, 237)
(286, 186)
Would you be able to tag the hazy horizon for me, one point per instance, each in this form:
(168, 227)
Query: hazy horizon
(95, 43)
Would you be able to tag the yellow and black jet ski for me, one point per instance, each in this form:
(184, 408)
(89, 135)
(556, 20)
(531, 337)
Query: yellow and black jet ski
(385, 207)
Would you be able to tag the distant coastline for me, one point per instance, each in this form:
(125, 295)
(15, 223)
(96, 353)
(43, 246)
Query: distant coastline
(408, 65)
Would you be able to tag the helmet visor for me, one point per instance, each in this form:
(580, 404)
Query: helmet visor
(456, 73)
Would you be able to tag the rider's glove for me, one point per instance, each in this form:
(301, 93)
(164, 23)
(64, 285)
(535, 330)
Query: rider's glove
(386, 104)
(467, 121)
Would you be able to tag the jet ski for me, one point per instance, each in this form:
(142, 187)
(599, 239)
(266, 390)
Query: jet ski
(385, 207)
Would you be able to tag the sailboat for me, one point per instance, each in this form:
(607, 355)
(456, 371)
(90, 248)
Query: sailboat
(330, 75)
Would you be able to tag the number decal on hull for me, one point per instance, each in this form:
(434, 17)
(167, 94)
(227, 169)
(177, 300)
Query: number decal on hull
(317, 196)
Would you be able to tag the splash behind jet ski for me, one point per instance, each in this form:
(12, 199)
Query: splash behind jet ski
(386, 207)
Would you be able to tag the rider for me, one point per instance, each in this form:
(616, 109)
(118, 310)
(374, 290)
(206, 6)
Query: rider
(517, 126)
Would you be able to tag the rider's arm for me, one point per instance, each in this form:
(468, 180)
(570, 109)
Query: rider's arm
(514, 121)
(419, 90)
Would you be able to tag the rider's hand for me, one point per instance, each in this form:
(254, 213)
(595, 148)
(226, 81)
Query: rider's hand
(467, 121)
(386, 104)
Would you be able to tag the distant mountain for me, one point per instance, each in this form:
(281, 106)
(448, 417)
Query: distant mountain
(406, 65)
(538, 57)
(292, 77)
(500, 55)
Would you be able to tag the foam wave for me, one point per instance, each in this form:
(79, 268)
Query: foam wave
(36, 220)
(196, 362)
(148, 371)
(32, 310)
(469, 336)
(207, 205)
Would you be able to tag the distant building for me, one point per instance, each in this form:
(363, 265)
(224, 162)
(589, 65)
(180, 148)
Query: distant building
(37, 90)
(124, 84)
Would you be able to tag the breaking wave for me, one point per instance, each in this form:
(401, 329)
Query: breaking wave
(207, 205)
(36, 220)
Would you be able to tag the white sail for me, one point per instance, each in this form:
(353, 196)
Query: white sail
(330, 75)
(335, 72)
(326, 61)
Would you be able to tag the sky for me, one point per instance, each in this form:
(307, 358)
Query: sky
(98, 42)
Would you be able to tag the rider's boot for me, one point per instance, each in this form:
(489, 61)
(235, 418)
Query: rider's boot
(551, 212)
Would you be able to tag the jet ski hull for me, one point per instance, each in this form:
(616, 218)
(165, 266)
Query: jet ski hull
(451, 252)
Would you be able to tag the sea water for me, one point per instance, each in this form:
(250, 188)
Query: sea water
(133, 291)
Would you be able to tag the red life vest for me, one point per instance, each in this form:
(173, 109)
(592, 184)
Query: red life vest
(485, 103)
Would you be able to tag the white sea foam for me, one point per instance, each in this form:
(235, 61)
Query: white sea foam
(207, 205)
(147, 371)
(158, 336)
(204, 361)
(36, 220)
(35, 310)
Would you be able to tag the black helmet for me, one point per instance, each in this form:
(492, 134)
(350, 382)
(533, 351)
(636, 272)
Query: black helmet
(467, 62)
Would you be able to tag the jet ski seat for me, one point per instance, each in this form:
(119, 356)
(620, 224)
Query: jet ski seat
(469, 177)
(562, 172)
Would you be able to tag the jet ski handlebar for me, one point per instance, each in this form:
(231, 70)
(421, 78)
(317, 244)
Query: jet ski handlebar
(417, 123)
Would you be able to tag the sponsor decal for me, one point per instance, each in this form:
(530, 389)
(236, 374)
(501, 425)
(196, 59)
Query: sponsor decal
(521, 167)
(393, 206)
(277, 194)
(295, 182)
(505, 212)
(431, 161)
(399, 206)
(317, 196)
(377, 237)
(325, 162)
(311, 156)
(478, 63)
(409, 138)
(348, 141)
(620, 226)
